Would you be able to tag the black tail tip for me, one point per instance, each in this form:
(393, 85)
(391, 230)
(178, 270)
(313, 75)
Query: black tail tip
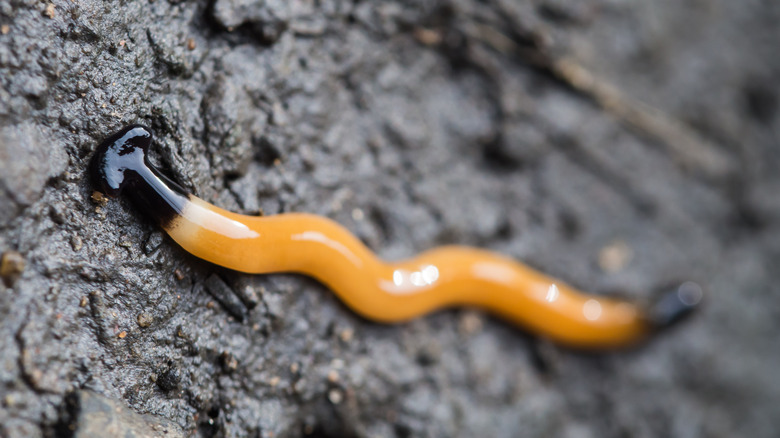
(675, 305)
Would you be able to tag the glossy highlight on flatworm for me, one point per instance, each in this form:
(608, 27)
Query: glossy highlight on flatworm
(379, 290)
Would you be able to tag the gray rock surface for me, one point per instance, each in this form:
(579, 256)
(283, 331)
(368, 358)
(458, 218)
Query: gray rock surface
(511, 125)
(89, 415)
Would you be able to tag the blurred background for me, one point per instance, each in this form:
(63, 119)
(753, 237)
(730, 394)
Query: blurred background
(621, 146)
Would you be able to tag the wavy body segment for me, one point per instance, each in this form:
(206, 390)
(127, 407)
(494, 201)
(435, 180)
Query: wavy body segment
(392, 292)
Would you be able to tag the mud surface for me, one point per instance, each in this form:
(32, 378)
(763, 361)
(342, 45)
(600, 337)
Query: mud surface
(517, 126)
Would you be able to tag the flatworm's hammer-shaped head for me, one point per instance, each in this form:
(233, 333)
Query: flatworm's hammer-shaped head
(120, 166)
(120, 159)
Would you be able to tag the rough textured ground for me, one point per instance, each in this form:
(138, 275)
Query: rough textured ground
(510, 125)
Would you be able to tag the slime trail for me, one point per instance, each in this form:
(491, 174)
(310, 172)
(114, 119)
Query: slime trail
(378, 290)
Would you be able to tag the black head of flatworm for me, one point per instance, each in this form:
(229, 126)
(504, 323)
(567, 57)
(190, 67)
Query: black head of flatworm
(120, 166)
(119, 158)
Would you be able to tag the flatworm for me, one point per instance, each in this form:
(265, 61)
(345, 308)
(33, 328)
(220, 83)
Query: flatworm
(378, 290)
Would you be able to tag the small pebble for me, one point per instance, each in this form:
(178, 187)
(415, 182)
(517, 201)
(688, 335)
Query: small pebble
(347, 334)
(614, 257)
(122, 334)
(279, 118)
(427, 36)
(76, 242)
(98, 198)
(229, 362)
(144, 319)
(470, 323)
(49, 12)
(4, 29)
(11, 266)
(84, 301)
